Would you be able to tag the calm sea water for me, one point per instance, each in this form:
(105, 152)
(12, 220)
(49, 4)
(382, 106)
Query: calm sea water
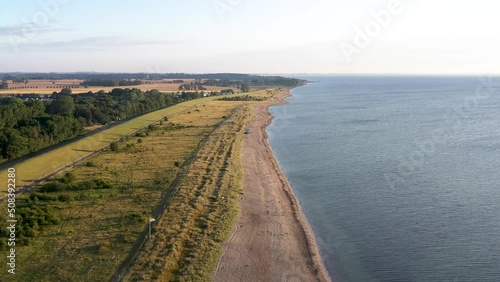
(399, 177)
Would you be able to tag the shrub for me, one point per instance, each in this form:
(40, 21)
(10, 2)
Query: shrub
(68, 178)
(53, 187)
(64, 198)
(114, 146)
(33, 218)
(35, 197)
(94, 184)
(102, 184)
(24, 240)
(87, 185)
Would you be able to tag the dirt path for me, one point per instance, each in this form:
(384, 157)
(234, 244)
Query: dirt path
(270, 240)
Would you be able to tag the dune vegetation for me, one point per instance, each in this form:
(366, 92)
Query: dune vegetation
(92, 221)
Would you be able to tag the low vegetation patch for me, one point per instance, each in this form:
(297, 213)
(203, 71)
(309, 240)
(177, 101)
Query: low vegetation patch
(242, 98)
(186, 241)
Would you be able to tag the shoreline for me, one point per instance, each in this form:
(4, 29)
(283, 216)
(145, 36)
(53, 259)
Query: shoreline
(271, 240)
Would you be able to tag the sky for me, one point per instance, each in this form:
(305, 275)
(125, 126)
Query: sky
(449, 37)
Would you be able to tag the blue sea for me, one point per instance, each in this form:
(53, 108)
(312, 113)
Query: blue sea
(399, 177)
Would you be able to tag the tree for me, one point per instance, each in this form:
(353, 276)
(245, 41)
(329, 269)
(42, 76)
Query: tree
(14, 145)
(4, 84)
(245, 87)
(65, 91)
(62, 105)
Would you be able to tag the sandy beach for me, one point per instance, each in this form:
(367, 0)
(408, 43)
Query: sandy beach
(270, 240)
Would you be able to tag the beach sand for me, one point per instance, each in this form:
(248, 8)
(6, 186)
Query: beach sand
(270, 240)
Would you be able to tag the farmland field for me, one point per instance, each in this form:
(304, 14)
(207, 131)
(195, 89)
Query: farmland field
(44, 87)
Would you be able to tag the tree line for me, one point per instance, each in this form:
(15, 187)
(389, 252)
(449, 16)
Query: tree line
(110, 82)
(192, 86)
(31, 125)
(221, 79)
(4, 84)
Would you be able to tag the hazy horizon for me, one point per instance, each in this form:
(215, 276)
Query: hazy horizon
(362, 37)
(269, 74)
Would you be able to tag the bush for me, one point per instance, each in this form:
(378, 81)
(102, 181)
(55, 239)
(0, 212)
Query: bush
(30, 232)
(81, 196)
(68, 178)
(102, 184)
(53, 187)
(241, 98)
(94, 184)
(177, 164)
(90, 164)
(41, 197)
(124, 138)
(33, 218)
(114, 146)
(64, 198)
(87, 185)
(24, 240)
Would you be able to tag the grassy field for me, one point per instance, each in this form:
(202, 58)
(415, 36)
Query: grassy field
(185, 245)
(40, 166)
(48, 86)
(193, 158)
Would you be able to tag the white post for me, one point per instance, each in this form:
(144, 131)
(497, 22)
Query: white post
(150, 220)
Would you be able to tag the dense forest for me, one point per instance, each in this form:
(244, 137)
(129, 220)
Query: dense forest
(28, 126)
